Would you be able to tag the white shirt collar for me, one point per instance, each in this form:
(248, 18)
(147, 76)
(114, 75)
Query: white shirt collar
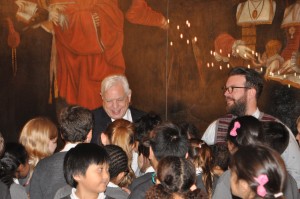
(68, 146)
(111, 184)
(73, 195)
(150, 169)
(256, 113)
(127, 116)
(16, 180)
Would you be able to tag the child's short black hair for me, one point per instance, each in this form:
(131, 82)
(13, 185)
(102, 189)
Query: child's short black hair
(276, 136)
(15, 154)
(78, 159)
(169, 140)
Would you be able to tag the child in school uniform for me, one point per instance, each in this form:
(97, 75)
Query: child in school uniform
(86, 170)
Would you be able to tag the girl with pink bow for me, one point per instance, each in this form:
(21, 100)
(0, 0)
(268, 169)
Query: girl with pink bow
(257, 172)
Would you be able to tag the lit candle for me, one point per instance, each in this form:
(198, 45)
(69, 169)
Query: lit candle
(261, 69)
(171, 43)
(256, 54)
(168, 20)
(195, 39)
(248, 65)
(220, 51)
(237, 51)
(252, 52)
(187, 41)
(289, 85)
(211, 52)
(207, 65)
(212, 64)
(181, 35)
(214, 53)
(228, 66)
(284, 76)
(221, 67)
(189, 25)
(187, 22)
(228, 55)
(278, 72)
(245, 55)
(178, 27)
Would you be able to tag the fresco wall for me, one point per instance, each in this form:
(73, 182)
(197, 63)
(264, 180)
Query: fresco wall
(173, 72)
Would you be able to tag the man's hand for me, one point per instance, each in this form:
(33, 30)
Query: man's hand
(21, 4)
(288, 67)
(244, 52)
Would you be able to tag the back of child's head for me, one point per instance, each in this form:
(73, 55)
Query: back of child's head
(190, 129)
(118, 160)
(261, 168)
(221, 158)
(145, 124)
(244, 130)
(169, 140)
(121, 132)
(200, 154)
(202, 157)
(79, 158)
(176, 176)
(75, 123)
(276, 136)
(15, 154)
(36, 135)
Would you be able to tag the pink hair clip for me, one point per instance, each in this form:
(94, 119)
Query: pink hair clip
(236, 126)
(261, 180)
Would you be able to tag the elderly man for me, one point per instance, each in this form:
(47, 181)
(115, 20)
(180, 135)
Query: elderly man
(116, 96)
(243, 88)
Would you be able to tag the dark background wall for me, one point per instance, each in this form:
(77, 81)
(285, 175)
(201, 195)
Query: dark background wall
(173, 81)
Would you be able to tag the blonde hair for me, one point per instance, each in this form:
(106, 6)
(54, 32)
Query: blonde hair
(121, 133)
(35, 137)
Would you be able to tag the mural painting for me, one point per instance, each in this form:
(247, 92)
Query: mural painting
(176, 55)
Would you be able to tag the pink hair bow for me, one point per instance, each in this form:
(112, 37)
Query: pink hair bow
(236, 126)
(262, 180)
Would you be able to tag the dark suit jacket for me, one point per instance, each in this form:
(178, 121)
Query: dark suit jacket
(102, 120)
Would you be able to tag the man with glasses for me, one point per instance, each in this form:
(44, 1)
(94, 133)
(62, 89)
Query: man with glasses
(242, 91)
(116, 96)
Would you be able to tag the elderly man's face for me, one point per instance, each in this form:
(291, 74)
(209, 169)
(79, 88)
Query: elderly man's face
(116, 101)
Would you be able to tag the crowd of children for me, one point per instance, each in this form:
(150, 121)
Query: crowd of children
(245, 154)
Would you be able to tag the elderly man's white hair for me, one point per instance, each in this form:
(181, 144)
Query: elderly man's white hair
(113, 80)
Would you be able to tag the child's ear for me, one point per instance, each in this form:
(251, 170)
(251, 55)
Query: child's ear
(231, 147)
(89, 137)
(77, 177)
(104, 139)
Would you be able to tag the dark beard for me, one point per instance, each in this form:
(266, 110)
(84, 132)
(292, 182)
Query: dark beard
(239, 108)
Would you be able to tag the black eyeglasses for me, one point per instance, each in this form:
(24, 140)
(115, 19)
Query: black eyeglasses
(231, 88)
